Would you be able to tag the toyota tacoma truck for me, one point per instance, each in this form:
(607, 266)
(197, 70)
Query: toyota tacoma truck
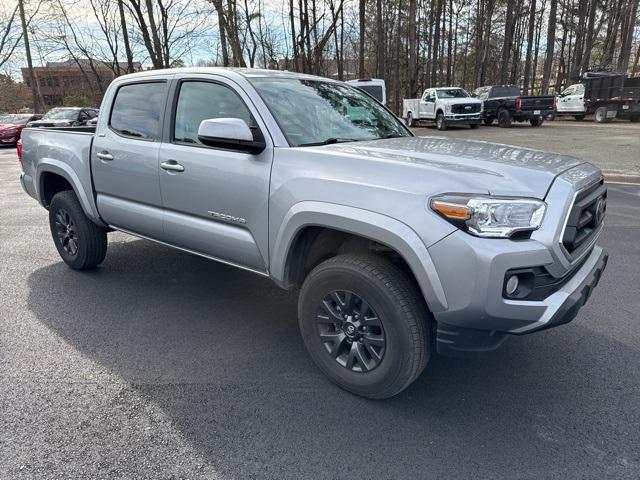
(505, 103)
(400, 246)
(445, 106)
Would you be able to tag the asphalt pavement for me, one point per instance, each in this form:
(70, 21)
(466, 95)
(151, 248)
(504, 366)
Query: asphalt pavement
(614, 146)
(160, 364)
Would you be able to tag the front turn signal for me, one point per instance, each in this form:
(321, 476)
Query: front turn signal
(451, 211)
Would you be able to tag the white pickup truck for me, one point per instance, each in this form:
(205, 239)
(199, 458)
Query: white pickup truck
(446, 106)
(571, 102)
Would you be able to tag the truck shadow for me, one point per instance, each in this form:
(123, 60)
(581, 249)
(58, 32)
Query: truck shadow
(218, 350)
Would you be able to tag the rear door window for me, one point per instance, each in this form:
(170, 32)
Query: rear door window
(505, 91)
(137, 110)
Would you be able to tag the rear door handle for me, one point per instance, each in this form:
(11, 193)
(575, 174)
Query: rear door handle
(104, 156)
(172, 166)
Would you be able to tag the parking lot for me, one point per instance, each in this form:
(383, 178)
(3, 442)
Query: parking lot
(160, 364)
(614, 147)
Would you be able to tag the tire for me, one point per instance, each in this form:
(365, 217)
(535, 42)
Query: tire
(579, 117)
(488, 121)
(80, 242)
(473, 126)
(635, 119)
(441, 123)
(394, 301)
(504, 119)
(601, 115)
(536, 121)
(410, 121)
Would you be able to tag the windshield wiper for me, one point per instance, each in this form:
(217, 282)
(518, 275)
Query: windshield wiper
(329, 141)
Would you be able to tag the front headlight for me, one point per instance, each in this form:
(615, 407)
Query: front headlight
(486, 216)
(447, 108)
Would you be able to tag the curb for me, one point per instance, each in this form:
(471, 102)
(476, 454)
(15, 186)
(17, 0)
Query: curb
(611, 177)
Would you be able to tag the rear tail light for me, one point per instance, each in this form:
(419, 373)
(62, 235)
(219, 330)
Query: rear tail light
(518, 104)
(19, 152)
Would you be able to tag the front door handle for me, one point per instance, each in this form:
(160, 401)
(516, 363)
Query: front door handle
(172, 166)
(104, 156)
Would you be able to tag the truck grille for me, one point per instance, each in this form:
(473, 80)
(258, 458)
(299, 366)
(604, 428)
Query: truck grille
(585, 217)
(465, 108)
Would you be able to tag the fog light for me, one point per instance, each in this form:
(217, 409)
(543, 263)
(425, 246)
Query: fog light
(512, 285)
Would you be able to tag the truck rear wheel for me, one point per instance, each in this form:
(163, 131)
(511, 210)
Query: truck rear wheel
(441, 123)
(601, 115)
(364, 323)
(536, 121)
(504, 119)
(80, 242)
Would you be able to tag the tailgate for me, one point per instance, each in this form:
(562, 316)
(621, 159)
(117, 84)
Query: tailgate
(536, 103)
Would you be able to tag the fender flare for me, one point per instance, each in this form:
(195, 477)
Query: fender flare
(365, 223)
(50, 165)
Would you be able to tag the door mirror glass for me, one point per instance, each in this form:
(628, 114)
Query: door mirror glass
(231, 133)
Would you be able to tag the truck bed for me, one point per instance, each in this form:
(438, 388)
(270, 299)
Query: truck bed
(66, 151)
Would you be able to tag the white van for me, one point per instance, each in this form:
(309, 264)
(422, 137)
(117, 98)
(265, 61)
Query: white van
(373, 86)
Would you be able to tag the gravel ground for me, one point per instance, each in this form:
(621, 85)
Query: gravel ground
(614, 147)
(161, 364)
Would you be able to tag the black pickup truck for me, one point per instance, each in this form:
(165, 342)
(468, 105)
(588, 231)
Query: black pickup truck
(505, 103)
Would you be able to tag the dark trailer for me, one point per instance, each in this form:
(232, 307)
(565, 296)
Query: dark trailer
(610, 95)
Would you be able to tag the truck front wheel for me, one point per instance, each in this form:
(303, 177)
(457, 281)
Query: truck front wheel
(441, 123)
(410, 121)
(365, 324)
(80, 242)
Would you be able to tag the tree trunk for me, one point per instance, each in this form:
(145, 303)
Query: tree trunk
(381, 42)
(363, 20)
(125, 37)
(508, 39)
(25, 39)
(625, 49)
(527, 64)
(551, 40)
(413, 52)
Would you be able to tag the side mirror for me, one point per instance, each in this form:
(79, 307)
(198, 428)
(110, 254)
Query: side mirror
(231, 133)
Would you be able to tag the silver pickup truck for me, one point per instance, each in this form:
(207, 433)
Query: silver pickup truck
(400, 245)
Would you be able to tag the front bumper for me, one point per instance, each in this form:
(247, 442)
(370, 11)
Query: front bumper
(457, 335)
(455, 119)
(9, 140)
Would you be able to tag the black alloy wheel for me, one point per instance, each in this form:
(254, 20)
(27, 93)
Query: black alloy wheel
(351, 331)
(66, 232)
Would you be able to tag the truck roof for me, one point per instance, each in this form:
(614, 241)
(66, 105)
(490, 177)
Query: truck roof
(229, 72)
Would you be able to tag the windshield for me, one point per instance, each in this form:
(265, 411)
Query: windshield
(452, 93)
(61, 114)
(313, 112)
(14, 119)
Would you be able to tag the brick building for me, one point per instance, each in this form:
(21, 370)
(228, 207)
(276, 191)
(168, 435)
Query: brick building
(58, 80)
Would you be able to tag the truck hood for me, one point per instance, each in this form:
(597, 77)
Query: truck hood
(458, 101)
(457, 165)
